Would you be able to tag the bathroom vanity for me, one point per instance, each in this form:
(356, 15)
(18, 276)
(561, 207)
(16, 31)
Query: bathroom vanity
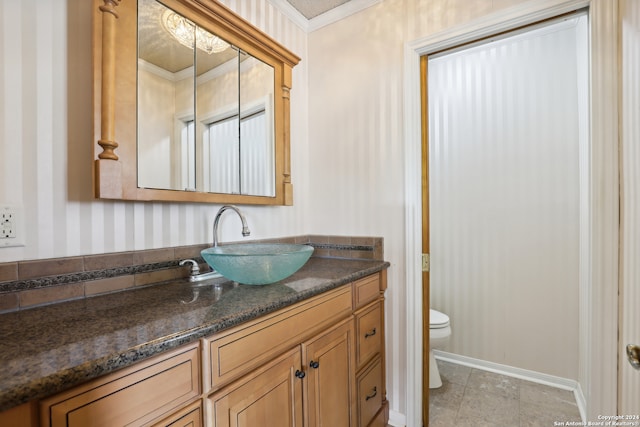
(306, 351)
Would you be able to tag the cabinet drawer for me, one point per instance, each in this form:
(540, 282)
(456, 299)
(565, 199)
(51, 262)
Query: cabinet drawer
(191, 416)
(369, 333)
(133, 397)
(370, 393)
(366, 290)
(246, 347)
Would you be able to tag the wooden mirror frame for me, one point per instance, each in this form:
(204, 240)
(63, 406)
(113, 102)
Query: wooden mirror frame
(115, 62)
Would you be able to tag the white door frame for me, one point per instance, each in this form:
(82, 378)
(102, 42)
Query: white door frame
(599, 234)
(629, 378)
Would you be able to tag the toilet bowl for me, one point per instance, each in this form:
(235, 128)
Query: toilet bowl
(439, 333)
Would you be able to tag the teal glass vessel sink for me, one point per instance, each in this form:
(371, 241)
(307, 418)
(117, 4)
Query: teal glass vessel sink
(257, 263)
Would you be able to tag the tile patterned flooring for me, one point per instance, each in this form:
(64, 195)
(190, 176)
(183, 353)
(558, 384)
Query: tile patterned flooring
(473, 397)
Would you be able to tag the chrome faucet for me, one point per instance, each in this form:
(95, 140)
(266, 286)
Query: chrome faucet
(245, 228)
(195, 268)
(194, 272)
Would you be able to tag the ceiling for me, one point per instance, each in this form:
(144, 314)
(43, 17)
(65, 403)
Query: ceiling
(312, 8)
(158, 48)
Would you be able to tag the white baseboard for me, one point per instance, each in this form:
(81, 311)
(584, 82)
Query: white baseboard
(524, 374)
(581, 401)
(396, 419)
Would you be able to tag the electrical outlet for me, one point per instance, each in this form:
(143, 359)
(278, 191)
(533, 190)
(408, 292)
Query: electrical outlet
(7, 225)
(10, 227)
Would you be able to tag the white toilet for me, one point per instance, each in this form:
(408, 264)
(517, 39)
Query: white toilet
(439, 333)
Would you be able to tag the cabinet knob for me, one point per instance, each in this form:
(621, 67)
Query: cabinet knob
(300, 374)
(314, 364)
(370, 333)
(373, 394)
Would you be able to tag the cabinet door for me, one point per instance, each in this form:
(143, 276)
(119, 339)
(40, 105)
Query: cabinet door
(329, 360)
(270, 396)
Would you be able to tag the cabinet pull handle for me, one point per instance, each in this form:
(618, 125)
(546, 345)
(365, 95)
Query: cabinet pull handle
(373, 394)
(314, 364)
(299, 374)
(371, 333)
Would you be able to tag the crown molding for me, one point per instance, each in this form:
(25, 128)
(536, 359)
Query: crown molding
(327, 18)
(340, 12)
(292, 13)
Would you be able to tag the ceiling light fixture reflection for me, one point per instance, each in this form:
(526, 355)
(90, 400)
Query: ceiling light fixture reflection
(184, 31)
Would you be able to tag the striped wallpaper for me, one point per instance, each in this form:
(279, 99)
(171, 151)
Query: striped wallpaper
(505, 137)
(46, 150)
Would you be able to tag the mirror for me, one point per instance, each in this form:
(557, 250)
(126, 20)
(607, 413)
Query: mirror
(210, 98)
(205, 109)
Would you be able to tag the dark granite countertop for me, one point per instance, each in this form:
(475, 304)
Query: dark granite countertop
(49, 349)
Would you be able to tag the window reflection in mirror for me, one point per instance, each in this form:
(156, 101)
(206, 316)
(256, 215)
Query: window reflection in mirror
(217, 132)
(205, 110)
(257, 155)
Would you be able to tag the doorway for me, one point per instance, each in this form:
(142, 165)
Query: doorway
(507, 142)
(598, 299)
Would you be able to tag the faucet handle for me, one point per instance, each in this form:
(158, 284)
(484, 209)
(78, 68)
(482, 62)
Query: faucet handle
(195, 269)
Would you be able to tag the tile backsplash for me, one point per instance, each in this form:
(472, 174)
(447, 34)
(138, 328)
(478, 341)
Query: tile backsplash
(26, 284)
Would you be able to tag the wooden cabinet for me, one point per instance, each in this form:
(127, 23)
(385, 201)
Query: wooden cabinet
(367, 289)
(135, 396)
(321, 332)
(370, 376)
(319, 362)
(369, 330)
(239, 350)
(270, 396)
(370, 392)
(329, 387)
(25, 415)
(191, 416)
(310, 385)
(340, 369)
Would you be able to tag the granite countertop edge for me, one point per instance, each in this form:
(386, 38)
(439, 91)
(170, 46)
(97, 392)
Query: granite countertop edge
(65, 379)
